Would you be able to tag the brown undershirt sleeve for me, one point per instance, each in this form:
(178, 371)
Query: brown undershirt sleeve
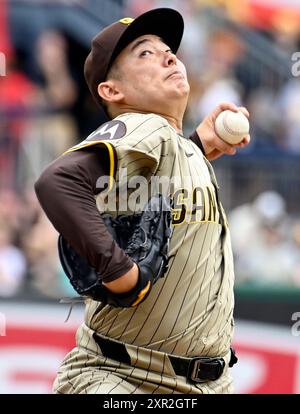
(196, 140)
(66, 191)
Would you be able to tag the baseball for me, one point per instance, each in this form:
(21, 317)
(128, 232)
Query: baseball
(232, 127)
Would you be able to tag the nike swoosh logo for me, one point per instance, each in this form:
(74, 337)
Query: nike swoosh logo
(189, 155)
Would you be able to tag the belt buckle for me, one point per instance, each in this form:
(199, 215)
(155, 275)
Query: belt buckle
(205, 369)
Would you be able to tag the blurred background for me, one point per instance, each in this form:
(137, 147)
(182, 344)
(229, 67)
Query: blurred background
(246, 52)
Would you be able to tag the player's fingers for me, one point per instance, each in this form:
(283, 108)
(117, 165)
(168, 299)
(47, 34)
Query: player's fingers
(228, 105)
(223, 107)
(244, 142)
(244, 111)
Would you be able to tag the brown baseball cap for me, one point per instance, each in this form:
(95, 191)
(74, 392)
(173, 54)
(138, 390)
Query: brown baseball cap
(107, 44)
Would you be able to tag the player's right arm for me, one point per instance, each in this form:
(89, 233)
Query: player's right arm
(66, 192)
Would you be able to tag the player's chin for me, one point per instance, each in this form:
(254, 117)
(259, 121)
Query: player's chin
(181, 80)
(181, 87)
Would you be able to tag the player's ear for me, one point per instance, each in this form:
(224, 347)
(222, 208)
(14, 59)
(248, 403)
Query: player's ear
(109, 91)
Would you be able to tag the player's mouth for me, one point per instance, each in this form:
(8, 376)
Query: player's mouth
(175, 74)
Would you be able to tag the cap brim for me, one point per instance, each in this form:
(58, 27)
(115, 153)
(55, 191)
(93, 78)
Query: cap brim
(163, 22)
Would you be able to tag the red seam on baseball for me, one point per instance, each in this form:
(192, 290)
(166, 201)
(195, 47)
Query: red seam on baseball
(228, 129)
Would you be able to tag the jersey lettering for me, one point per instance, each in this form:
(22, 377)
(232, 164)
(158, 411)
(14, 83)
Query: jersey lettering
(196, 206)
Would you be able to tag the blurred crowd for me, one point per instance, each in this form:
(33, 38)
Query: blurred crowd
(29, 265)
(266, 242)
(45, 108)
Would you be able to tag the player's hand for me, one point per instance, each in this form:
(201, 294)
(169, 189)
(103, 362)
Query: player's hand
(213, 145)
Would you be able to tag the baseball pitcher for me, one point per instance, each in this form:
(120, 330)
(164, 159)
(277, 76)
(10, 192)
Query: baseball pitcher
(143, 235)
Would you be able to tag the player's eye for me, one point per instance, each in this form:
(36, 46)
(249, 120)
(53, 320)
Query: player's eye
(146, 53)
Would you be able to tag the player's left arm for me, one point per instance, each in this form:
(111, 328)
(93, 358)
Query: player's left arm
(206, 137)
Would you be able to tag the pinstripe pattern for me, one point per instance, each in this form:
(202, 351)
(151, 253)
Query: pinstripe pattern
(189, 311)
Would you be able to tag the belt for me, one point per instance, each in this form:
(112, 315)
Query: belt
(197, 369)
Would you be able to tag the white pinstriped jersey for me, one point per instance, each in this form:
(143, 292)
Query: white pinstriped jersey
(189, 312)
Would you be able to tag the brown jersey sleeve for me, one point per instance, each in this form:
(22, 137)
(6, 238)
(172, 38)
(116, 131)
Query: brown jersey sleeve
(196, 140)
(66, 191)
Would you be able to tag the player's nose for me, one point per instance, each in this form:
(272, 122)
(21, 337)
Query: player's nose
(169, 59)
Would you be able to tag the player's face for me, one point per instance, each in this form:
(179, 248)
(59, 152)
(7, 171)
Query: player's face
(152, 77)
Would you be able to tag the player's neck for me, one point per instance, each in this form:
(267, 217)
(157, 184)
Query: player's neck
(174, 121)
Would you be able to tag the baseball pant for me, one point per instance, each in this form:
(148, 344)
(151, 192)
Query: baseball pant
(86, 371)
